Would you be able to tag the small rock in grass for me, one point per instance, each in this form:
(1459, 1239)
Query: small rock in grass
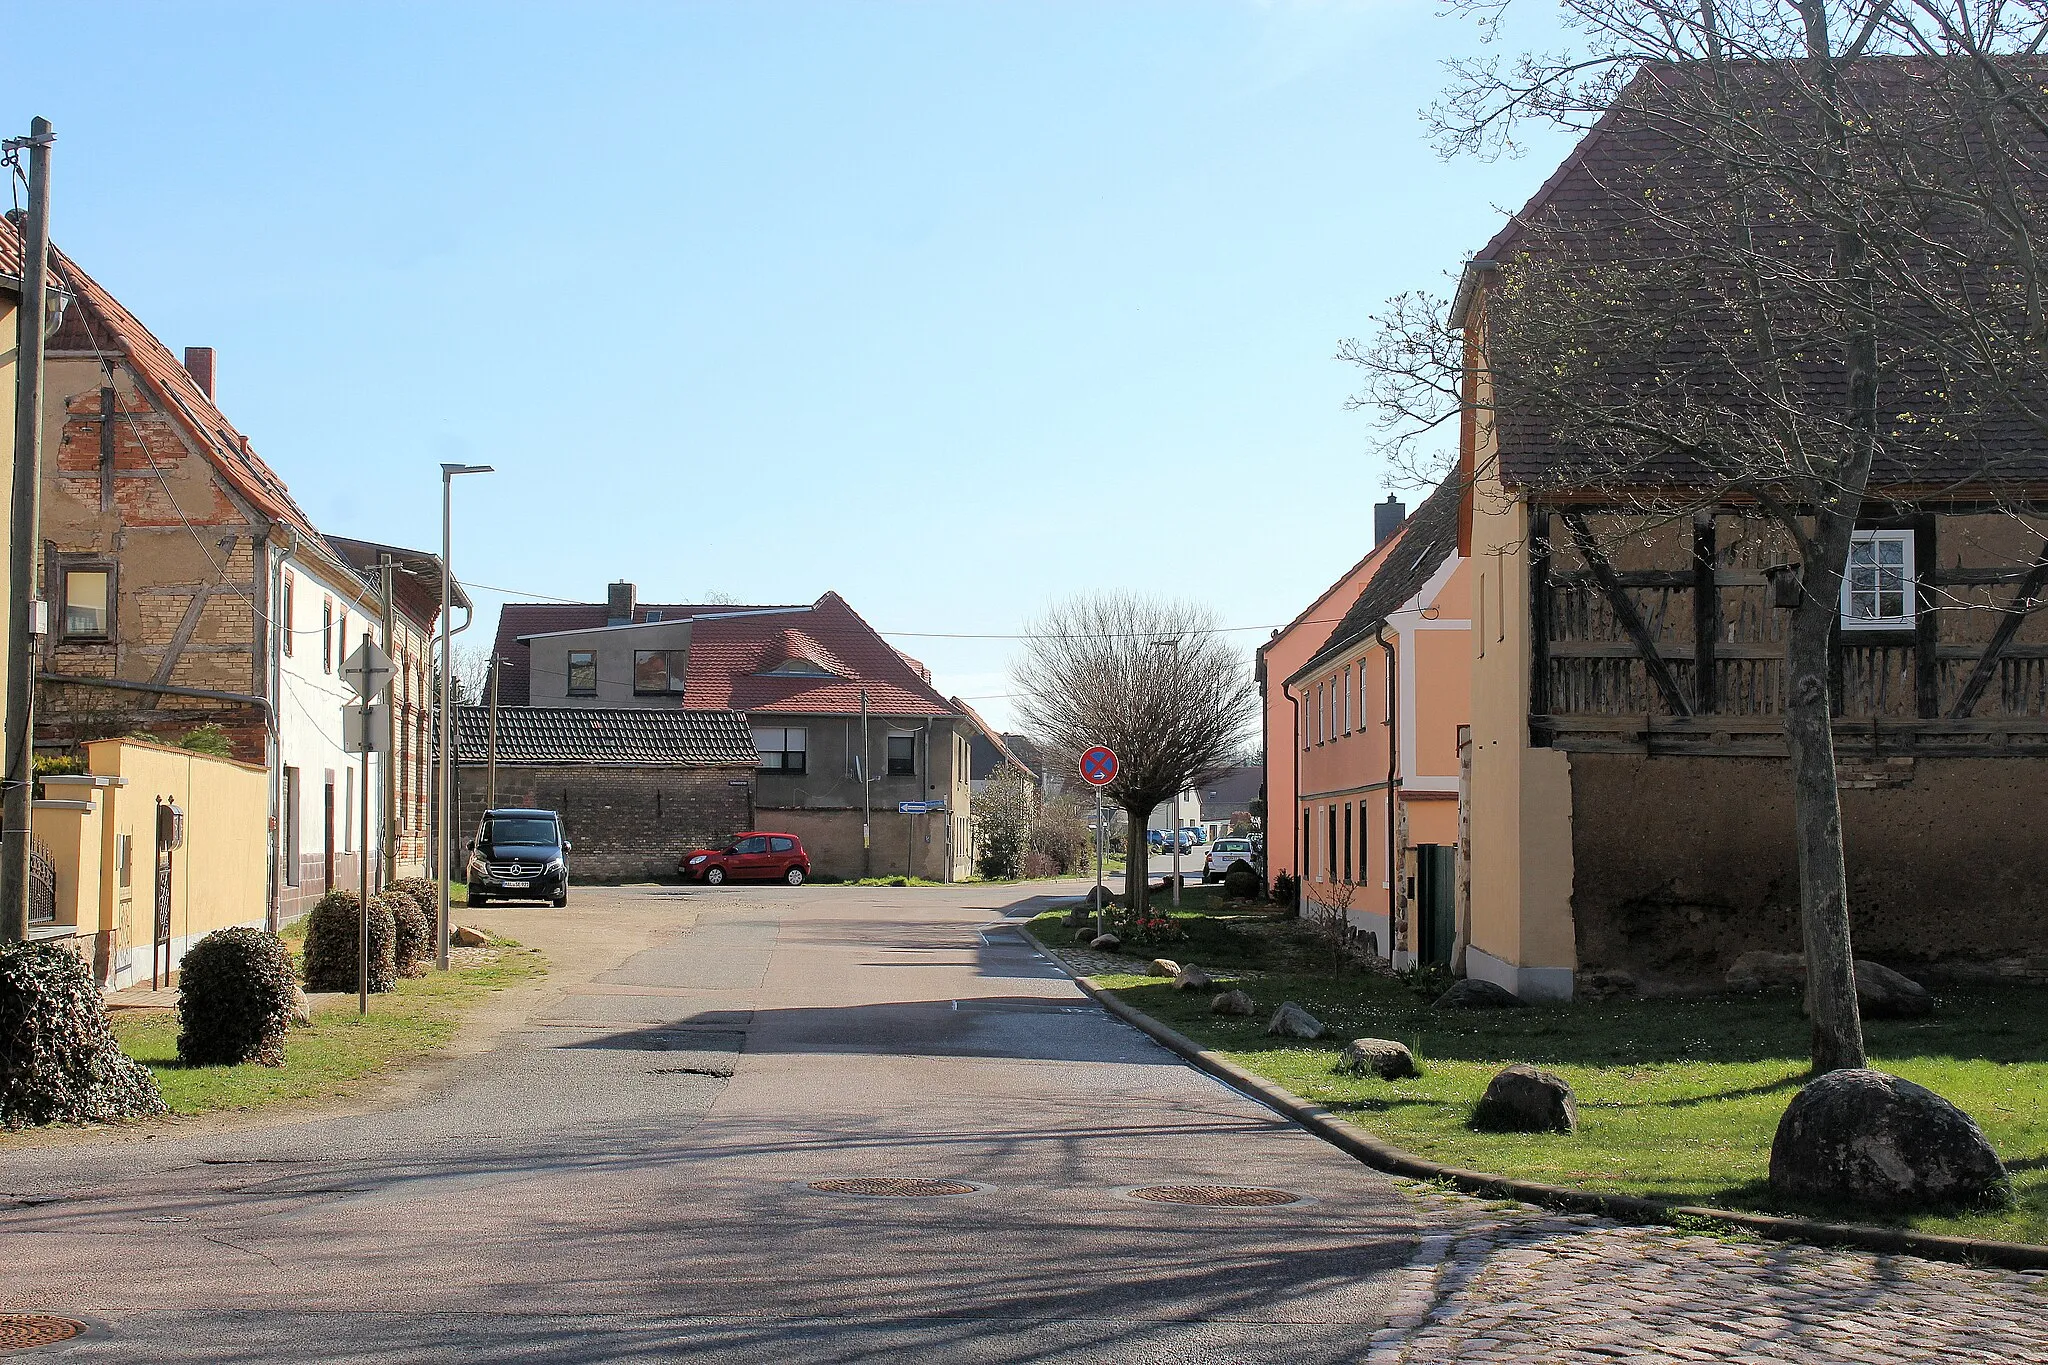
(1474, 994)
(1885, 994)
(1523, 1099)
(1163, 966)
(1292, 1021)
(1862, 1137)
(1106, 943)
(1388, 1060)
(462, 936)
(1232, 1002)
(1085, 934)
(1192, 978)
(302, 1009)
(1079, 915)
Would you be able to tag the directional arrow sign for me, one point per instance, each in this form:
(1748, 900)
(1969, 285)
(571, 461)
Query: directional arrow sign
(368, 670)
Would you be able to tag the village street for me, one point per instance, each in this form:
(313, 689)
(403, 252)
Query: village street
(623, 1165)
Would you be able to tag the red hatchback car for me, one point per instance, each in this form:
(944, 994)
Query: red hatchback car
(756, 855)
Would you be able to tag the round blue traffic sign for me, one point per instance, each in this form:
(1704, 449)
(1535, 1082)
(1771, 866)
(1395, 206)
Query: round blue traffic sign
(1098, 766)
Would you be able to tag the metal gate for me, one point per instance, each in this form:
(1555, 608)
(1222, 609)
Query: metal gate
(42, 883)
(1436, 901)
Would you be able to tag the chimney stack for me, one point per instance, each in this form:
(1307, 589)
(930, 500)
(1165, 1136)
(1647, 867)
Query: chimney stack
(620, 599)
(1386, 519)
(199, 364)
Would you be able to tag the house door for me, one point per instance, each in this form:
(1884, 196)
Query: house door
(1435, 901)
(327, 851)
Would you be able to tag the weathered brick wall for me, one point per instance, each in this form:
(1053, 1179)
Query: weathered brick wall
(626, 823)
(1682, 864)
(903, 844)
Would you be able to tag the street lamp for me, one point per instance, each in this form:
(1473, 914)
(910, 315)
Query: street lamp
(447, 783)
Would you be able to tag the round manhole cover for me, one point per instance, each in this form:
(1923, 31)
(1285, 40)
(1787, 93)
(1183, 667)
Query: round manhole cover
(19, 1331)
(1216, 1196)
(892, 1187)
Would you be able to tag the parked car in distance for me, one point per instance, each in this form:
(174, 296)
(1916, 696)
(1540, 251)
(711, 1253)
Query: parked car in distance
(1225, 854)
(753, 855)
(519, 854)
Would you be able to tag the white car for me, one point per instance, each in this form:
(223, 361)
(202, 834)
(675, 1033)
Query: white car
(1225, 854)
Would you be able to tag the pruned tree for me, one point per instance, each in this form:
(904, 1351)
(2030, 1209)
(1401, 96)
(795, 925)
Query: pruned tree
(1151, 679)
(1003, 812)
(1824, 276)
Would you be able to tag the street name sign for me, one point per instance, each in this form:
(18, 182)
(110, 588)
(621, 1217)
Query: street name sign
(918, 807)
(1098, 766)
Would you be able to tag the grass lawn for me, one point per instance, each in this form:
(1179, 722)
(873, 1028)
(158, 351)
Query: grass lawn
(1678, 1099)
(342, 1054)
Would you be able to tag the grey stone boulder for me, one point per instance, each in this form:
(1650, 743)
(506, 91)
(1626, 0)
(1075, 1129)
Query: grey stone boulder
(302, 1008)
(1106, 943)
(1232, 1002)
(1085, 934)
(1865, 1138)
(1079, 915)
(1885, 994)
(1093, 902)
(1523, 1099)
(1292, 1021)
(1383, 1057)
(1192, 978)
(1163, 966)
(1474, 994)
(1763, 971)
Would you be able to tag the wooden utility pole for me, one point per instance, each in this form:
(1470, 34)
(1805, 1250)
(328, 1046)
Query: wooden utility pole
(867, 814)
(491, 746)
(26, 614)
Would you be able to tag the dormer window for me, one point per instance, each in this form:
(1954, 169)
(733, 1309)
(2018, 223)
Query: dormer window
(797, 668)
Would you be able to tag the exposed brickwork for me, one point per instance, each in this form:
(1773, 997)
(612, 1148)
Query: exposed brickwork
(625, 822)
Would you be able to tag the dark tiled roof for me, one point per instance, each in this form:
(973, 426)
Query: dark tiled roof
(1621, 204)
(1426, 539)
(1230, 791)
(622, 737)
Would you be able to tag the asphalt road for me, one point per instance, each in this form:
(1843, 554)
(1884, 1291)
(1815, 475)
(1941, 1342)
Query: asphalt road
(622, 1168)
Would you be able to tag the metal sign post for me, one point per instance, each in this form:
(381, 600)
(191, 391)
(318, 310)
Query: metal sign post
(366, 729)
(1098, 770)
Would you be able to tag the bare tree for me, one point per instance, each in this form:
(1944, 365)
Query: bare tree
(1154, 681)
(1824, 275)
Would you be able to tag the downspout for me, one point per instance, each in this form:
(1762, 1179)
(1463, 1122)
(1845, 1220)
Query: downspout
(273, 588)
(1294, 825)
(164, 690)
(1379, 635)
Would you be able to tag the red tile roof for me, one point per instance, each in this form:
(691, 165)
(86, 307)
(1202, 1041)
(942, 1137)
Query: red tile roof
(728, 654)
(97, 321)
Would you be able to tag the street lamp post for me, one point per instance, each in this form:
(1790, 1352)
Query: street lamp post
(447, 782)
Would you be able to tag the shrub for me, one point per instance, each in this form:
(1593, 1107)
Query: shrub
(412, 948)
(58, 1059)
(1241, 882)
(1287, 891)
(236, 990)
(332, 931)
(1002, 824)
(1059, 834)
(426, 893)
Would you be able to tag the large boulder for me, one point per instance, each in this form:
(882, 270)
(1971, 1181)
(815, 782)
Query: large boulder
(1292, 1021)
(1232, 1002)
(1192, 978)
(1885, 994)
(1474, 994)
(1163, 966)
(1383, 1057)
(1865, 1138)
(1523, 1099)
(1106, 943)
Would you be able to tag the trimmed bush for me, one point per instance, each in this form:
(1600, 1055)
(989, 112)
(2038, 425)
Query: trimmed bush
(427, 895)
(411, 946)
(58, 1059)
(332, 931)
(236, 993)
(1241, 882)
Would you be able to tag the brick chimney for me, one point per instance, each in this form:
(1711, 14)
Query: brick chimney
(199, 364)
(1386, 519)
(619, 599)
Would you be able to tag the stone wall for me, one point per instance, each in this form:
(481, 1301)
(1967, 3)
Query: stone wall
(626, 823)
(1681, 864)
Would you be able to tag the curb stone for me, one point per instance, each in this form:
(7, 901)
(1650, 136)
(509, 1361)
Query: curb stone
(1356, 1142)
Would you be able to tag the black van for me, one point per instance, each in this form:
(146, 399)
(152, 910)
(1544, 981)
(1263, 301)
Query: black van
(519, 855)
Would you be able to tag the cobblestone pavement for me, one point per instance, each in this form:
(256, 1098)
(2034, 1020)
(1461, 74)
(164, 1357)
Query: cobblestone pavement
(1521, 1285)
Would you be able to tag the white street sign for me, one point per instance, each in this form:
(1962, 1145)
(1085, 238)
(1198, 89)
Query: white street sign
(366, 729)
(368, 669)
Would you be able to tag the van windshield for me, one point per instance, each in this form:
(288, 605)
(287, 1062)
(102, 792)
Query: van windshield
(531, 829)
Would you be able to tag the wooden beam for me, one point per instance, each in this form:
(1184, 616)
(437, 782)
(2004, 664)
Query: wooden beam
(1706, 614)
(1625, 612)
(1926, 628)
(2014, 616)
(1539, 622)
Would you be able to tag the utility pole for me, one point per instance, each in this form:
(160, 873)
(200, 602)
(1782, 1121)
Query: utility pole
(27, 618)
(388, 767)
(867, 814)
(491, 762)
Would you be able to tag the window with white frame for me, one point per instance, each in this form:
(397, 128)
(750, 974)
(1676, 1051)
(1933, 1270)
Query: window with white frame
(1877, 587)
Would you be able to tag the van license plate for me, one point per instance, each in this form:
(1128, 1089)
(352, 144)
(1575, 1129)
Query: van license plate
(517, 886)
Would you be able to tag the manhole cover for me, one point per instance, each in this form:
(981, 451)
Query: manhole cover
(19, 1331)
(1216, 1196)
(892, 1187)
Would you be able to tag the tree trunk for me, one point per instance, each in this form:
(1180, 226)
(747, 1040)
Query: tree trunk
(1817, 821)
(1137, 885)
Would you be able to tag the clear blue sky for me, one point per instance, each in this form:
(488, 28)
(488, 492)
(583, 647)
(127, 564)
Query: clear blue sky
(953, 308)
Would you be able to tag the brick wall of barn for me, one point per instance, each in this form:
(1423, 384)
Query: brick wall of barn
(626, 823)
